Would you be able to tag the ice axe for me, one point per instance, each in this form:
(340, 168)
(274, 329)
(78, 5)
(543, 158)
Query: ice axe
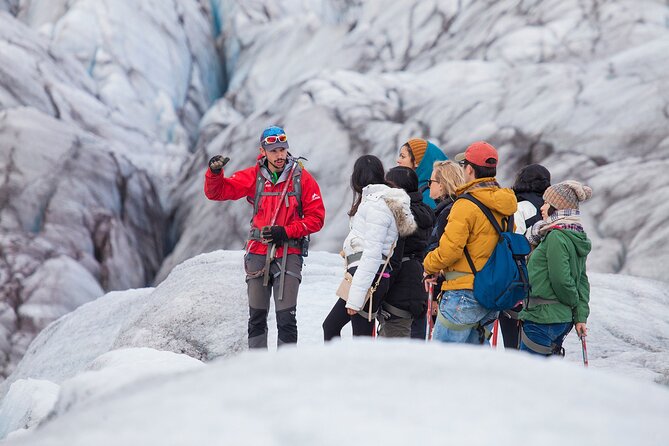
(430, 325)
(584, 349)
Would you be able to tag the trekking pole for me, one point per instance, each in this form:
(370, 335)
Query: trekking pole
(495, 331)
(584, 349)
(428, 321)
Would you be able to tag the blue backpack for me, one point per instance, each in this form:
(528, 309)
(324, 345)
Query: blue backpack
(503, 281)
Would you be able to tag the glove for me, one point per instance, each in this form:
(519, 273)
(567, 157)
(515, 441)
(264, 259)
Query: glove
(216, 163)
(274, 234)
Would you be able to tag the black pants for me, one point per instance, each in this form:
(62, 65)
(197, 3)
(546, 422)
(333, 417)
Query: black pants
(419, 327)
(408, 293)
(510, 329)
(338, 316)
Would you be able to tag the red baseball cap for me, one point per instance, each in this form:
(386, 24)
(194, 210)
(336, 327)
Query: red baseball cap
(479, 153)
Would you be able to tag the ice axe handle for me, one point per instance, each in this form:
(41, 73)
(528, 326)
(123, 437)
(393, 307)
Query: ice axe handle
(584, 349)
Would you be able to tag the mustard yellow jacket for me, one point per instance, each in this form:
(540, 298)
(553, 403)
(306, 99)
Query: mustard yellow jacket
(468, 226)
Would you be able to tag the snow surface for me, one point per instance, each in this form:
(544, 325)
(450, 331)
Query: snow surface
(120, 358)
(28, 402)
(394, 393)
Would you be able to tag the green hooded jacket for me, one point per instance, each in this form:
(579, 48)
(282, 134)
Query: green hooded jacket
(557, 272)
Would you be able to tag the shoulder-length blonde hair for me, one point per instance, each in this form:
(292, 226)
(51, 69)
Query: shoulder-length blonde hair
(450, 175)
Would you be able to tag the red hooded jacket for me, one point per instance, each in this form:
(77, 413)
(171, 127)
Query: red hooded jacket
(243, 184)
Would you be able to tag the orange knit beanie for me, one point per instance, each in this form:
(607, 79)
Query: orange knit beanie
(418, 147)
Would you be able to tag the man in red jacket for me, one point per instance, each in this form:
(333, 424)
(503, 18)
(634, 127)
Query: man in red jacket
(287, 207)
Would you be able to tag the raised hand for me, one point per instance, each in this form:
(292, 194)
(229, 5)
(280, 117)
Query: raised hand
(216, 163)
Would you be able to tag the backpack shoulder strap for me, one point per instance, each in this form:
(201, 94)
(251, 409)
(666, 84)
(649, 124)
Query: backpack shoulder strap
(297, 188)
(260, 186)
(488, 213)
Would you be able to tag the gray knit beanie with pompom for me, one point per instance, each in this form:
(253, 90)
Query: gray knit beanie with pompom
(567, 194)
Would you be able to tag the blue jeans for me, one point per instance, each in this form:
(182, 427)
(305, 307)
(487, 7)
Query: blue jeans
(460, 308)
(548, 335)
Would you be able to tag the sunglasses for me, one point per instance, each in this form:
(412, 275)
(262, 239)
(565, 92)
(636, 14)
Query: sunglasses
(430, 181)
(272, 139)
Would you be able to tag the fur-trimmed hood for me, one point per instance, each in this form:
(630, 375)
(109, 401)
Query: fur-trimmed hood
(398, 202)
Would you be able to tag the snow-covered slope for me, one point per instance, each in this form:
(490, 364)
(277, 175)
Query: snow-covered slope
(394, 393)
(98, 102)
(201, 310)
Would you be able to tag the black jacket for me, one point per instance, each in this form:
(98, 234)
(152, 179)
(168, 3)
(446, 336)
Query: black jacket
(441, 212)
(415, 244)
(536, 200)
(406, 288)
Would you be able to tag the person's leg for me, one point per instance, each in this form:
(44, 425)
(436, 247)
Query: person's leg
(359, 324)
(415, 290)
(395, 327)
(459, 315)
(258, 300)
(542, 339)
(535, 340)
(561, 333)
(335, 320)
(406, 293)
(419, 327)
(509, 329)
(443, 331)
(286, 308)
(482, 333)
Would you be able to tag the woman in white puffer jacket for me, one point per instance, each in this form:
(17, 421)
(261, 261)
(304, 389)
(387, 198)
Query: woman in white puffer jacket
(378, 216)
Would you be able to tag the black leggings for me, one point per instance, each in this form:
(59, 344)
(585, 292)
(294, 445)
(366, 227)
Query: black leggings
(510, 329)
(338, 316)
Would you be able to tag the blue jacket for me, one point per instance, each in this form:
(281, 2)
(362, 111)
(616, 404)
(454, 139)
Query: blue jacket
(424, 171)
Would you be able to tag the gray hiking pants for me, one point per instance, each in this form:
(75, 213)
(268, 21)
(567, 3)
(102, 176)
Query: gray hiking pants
(259, 295)
(395, 328)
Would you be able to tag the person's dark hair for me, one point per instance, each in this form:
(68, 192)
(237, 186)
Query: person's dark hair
(403, 178)
(367, 170)
(481, 171)
(551, 210)
(533, 178)
(410, 152)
